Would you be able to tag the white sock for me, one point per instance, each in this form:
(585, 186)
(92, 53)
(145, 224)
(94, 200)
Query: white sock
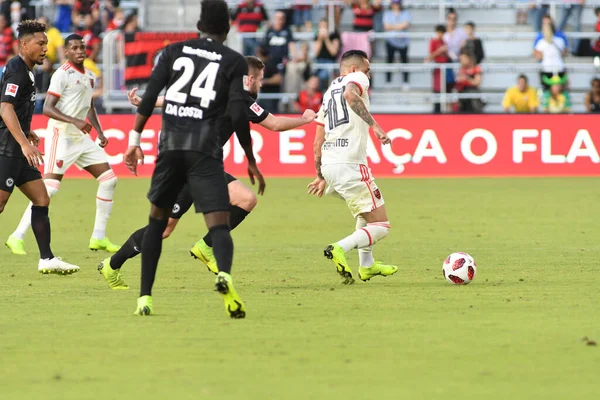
(366, 236)
(365, 254)
(104, 203)
(52, 186)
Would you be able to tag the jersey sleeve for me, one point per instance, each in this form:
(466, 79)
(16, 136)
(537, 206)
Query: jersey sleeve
(320, 120)
(12, 82)
(360, 80)
(58, 83)
(239, 117)
(158, 80)
(257, 114)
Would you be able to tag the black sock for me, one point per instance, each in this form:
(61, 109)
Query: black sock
(236, 217)
(151, 248)
(223, 247)
(131, 248)
(40, 223)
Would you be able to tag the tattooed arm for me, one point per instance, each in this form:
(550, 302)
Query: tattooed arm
(317, 187)
(352, 95)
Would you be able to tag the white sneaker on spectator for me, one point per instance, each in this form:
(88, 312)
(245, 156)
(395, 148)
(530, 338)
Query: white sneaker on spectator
(56, 266)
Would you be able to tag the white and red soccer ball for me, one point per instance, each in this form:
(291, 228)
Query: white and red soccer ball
(459, 268)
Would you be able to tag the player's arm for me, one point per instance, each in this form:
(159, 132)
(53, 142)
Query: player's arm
(92, 116)
(317, 187)
(135, 100)
(281, 124)
(9, 116)
(51, 111)
(158, 80)
(352, 95)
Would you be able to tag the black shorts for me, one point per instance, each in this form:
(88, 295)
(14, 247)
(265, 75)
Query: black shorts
(16, 172)
(184, 200)
(203, 174)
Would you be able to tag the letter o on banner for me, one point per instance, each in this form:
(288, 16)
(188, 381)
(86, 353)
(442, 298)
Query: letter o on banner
(491, 144)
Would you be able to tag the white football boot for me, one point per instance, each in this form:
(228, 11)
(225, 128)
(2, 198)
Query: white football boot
(56, 266)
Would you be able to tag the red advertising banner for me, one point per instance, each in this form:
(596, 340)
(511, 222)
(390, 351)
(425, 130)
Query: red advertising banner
(422, 146)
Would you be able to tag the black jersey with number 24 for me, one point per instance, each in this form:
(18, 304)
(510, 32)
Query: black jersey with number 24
(202, 77)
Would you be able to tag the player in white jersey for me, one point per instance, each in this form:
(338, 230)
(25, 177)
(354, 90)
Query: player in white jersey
(341, 161)
(68, 103)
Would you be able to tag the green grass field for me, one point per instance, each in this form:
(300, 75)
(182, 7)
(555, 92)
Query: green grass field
(515, 331)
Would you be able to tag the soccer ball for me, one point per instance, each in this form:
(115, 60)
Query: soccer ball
(459, 268)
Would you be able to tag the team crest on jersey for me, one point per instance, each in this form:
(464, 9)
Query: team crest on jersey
(176, 208)
(11, 90)
(258, 110)
(377, 194)
(10, 182)
(59, 163)
(33, 97)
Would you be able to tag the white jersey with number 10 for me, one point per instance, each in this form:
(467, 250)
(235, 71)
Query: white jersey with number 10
(346, 133)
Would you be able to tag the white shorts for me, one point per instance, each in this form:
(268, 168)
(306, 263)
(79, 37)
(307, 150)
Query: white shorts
(63, 151)
(355, 185)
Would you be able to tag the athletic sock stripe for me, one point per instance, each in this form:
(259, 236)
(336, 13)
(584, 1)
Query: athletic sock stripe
(101, 199)
(368, 234)
(107, 177)
(388, 226)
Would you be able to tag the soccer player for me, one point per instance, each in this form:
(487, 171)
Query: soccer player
(242, 199)
(341, 161)
(202, 77)
(19, 157)
(68, 103)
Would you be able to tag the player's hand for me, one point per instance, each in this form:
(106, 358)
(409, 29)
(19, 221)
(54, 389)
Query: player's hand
(103, 140)
(255, 175)
(83, 126)
(309, 115)
(33, 155)
(381, 135)
(134, 156)
(34, 139)
(134, 100)
(317, 187)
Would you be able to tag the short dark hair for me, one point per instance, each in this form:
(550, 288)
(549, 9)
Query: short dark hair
(72, 38)
(214, 17)
(254, 63)
(354, 54)
(596, 10)
(595, 80)
(471, 24)
(440, 28)
(30, 27)
(451, 10)
(523, 76)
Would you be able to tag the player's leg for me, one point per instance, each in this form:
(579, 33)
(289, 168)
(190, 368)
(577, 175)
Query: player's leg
(93, 160)
(32, 186)
(242, 202)
(59, 157)
(8, 170)
(208, 188)
(377, 227)
(168, 179)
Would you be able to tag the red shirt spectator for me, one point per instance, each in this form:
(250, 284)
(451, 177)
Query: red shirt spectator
(438, 53)
(310, 98)
(7, 41)
(86, 6)
(364, 12)
(249, 15)
(92, 42)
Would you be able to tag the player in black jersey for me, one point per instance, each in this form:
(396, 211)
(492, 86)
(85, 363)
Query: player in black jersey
(19, 157)
(202, 77)
(242, 199)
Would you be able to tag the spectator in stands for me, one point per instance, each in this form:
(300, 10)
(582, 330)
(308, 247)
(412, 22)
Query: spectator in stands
(550, 50)
(92, 42)
(108, 12)
(522, 98)
(572, 8)
(310, 98)
(547, 21)
(364, 12)
(337, 12)
(15, 11)
(326, 49)
(82, 9)
(556, 100)
(131, 24)
(303, 15)
(454, 37)
(249, 16)
(438, 52)
(468, 81)
(9, 47)
(538, 9)
(592, 98)
(64, 11)
(473, 44)
(596, 43)
(397, 20)
(272, 80)
(117, 20)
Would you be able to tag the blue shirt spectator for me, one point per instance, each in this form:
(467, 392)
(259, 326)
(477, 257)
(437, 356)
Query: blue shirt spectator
(397, 20)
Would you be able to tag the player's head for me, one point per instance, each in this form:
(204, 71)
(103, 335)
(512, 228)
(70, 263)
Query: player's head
(75, 49)
(214, 19)
(256, 73)
(355, 61)
(33, 40)
(522, 82)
